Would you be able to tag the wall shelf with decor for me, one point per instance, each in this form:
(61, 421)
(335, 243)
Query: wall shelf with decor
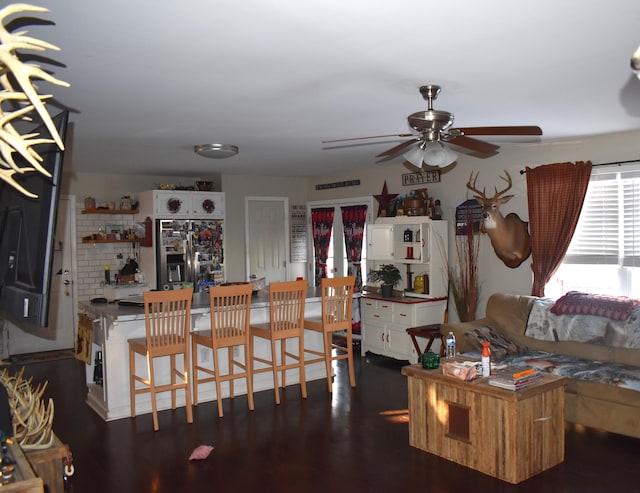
(110, 211)
(109, 241)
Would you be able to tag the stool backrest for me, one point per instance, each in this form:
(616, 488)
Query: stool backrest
(286, 308)
(167, 319)
(230, 312)
(337, 302)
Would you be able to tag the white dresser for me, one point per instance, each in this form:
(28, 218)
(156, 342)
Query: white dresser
(385, 322)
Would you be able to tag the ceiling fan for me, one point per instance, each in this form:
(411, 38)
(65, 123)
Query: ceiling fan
(432, 129)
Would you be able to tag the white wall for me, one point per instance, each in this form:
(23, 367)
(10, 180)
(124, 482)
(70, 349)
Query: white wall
(237, 188)
(493, 274)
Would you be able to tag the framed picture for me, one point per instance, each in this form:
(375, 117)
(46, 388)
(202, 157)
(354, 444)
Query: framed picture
(114, 229)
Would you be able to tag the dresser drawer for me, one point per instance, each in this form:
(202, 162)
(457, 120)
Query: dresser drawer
(404, 315)
(377, 310)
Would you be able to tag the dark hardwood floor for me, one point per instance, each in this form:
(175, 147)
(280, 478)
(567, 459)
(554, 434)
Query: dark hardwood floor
(355, 441)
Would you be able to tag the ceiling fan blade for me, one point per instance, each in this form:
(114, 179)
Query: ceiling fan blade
(395, 150)
(474, 144)
(510, 130)
(412, 167)
(366, 138)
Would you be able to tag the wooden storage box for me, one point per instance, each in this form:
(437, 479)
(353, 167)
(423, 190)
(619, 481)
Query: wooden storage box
(25, 479)
(510, 435)
(48, 465)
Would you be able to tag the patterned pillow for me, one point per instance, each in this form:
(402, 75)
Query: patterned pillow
(500, 346)
(577, 303)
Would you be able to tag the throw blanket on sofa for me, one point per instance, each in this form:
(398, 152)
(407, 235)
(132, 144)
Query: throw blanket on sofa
(617, 374)
(544, 325)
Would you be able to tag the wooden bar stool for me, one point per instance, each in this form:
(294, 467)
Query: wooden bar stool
(337, 315)
(230, 309)
(430, 332)
(168, 322)
(286, 315)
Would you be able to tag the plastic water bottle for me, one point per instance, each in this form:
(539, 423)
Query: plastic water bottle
(451, 345)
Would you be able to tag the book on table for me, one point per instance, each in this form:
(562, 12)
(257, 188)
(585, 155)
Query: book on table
(514, 377)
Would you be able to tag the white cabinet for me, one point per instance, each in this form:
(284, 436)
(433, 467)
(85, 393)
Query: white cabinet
(206, 205)
(185, 204)
(417, 241)
(385, 323)
(380, 242)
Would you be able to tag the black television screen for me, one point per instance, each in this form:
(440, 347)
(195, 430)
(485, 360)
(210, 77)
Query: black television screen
(27, 234)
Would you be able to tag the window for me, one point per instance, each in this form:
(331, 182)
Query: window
(337, 265)
(604, 254)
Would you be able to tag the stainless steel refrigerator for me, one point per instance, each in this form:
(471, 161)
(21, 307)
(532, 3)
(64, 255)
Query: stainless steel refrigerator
(189, 251)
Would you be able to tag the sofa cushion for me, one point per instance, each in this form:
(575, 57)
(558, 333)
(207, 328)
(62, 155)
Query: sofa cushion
(575, 302)
(546, 325)
(499, 344)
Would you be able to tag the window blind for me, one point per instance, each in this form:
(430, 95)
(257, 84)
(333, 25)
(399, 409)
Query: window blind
(608, 231)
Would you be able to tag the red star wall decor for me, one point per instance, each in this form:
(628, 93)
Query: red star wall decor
(384, 199)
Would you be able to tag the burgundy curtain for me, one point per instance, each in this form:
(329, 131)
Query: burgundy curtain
(321, 225)
(353, 219)
(555, 195)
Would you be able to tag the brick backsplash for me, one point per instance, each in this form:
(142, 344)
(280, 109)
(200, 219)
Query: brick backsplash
(92, 257)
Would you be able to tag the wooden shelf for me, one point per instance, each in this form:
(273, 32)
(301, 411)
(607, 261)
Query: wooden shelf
(109, 241)
(110, 211)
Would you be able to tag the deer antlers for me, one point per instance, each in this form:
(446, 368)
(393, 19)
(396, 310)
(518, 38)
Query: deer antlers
(23, 73)
(471, 185)
(32, 419)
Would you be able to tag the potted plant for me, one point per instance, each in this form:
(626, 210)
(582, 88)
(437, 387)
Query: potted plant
(388, 275)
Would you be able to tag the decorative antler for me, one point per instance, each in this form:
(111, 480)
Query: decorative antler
(23, 73)
(472, 186)
(32, 419)
(502, 192)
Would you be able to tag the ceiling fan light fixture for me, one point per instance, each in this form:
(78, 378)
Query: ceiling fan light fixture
(415, 155)
(432, 153)
(216, 151)
(438, 154)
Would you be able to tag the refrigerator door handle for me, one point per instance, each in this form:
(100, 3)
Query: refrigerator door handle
(189, 267)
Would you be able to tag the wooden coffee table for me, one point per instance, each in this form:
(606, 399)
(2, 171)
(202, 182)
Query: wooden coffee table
(510, 435)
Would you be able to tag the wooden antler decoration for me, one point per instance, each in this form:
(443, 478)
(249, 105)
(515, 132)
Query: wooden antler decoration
(25, 97)
(32, 419)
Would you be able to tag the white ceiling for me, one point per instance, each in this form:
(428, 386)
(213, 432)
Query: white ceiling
(150, 79)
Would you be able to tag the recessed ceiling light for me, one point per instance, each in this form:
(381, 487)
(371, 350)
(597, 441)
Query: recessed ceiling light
(216, 151)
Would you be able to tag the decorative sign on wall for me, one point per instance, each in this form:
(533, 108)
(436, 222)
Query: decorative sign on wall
(298, 233)
(420, 178)
(338, 184)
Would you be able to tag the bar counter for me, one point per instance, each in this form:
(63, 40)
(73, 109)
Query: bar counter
(114, 324)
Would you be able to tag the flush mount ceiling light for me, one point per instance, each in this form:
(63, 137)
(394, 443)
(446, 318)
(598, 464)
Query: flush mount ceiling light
(432, 153)
(216, 151)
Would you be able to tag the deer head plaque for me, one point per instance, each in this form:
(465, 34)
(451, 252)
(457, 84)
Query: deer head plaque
(509, 235)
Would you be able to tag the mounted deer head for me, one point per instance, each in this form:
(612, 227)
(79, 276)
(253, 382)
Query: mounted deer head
(509, 235)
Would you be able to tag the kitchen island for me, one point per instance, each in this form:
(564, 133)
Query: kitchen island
(114, 324)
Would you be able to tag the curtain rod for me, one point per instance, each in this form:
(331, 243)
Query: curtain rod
(522, 171)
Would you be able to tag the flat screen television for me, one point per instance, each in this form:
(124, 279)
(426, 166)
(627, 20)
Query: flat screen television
(27, 235)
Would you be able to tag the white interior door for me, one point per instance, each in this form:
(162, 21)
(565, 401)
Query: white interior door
(60, 333)
(267, 237)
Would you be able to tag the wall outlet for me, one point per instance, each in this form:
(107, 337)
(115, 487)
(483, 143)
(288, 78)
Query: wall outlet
(236, 351)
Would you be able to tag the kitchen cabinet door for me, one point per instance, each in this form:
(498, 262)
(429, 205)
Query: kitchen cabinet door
(171, 203)
(380, 245)
(206, 205)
